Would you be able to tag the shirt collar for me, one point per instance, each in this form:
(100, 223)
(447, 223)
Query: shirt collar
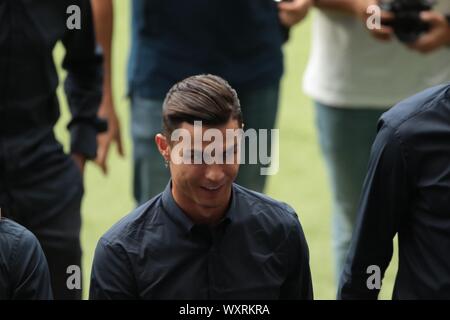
(179, 217)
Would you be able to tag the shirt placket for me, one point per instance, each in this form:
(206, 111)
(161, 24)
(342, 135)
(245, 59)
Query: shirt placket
(215, 267)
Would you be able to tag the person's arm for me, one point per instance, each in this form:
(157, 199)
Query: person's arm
(103, 13)
(83, 86)
(437, 37)
(111, 276)
(384, 205)
(29, 270)
(298, 284)
(292, 12)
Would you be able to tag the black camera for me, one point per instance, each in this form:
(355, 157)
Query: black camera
(407, 24)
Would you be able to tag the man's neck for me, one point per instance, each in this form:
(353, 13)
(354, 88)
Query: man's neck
(197, 213)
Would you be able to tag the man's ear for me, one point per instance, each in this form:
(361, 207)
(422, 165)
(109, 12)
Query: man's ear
(163, 146)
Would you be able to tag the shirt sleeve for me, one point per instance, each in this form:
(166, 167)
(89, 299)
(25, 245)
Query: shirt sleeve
(83, 84)
(111, 276)
(29, 270)
(298, 284)
(385, 200)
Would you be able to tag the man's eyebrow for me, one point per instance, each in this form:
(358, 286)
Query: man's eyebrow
(192, 150)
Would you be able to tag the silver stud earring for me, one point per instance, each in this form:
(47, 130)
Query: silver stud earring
(166, 163)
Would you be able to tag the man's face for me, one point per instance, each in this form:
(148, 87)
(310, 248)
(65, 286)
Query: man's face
(204, 186)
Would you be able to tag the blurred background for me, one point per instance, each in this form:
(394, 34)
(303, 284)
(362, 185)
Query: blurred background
(301, 180)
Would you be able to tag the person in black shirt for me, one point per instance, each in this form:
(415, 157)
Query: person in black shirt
(406, 193)
(24, 272)
(40, 186)
(203, 237)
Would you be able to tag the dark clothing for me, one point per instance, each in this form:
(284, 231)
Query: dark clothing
(239, 40)
(258, 251)
(28, 78)
(24, 273)
(406, 192)
(40, 186)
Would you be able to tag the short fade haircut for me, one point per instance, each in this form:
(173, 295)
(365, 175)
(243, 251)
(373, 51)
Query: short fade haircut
(205, 98)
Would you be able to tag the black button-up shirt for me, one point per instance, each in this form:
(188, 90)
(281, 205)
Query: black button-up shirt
(258, 251)
(29, 30)
(406, 192)
(24, 273)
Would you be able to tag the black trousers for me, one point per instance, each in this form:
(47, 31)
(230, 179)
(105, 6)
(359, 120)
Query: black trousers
(41, 188)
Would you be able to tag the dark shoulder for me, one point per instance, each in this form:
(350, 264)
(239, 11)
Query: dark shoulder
(131, 228)
(407, 116)
(271, 223)
(13, 233)
(10, 229)
(15, 239)
(258, 206)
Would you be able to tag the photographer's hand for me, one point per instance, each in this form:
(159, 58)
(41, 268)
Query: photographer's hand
(437, 37)
(381, 32)
(384, 32)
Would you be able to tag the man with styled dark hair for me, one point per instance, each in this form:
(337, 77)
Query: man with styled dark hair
(24, 272)
(203, 237)
(182, 103)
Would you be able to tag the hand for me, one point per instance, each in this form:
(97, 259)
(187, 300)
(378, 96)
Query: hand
(381, 32)
(80, 161)
(436, 37)
(104, 140)
(292, 12)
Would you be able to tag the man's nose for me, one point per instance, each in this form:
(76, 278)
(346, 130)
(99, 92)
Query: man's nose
(214, 173)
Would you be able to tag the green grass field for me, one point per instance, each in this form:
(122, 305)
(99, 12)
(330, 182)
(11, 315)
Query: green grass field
(301, 180)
